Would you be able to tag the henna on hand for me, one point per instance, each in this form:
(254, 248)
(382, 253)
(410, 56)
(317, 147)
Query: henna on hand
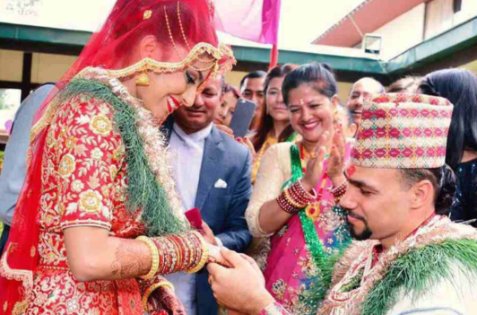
(128, 262)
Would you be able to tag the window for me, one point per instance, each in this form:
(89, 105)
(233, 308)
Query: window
(439, 17)
(457, 5)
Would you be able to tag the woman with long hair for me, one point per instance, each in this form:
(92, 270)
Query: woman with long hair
(459, 86)
(295, 195)
(98, 221)
(274, 125)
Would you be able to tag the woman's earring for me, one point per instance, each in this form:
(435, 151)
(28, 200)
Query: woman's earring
(142, 79)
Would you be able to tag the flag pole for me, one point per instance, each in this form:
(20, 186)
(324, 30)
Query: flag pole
(273, 56)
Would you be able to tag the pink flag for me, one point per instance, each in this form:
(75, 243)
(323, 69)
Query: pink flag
(255, 20)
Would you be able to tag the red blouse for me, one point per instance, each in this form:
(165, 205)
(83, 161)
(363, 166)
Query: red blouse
(84, 184)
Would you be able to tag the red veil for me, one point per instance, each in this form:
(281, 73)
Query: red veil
(184, 23)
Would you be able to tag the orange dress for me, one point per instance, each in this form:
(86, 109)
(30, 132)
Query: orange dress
(84, 184)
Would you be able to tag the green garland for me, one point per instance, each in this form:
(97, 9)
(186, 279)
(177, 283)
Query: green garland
(419, 270)
(144, 191)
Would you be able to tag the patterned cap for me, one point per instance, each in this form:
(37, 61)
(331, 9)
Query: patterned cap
(403, 131)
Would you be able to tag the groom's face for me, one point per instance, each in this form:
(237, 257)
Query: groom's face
(377, 202)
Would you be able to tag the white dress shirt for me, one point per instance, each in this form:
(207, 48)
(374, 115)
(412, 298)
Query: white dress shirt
(186, 151)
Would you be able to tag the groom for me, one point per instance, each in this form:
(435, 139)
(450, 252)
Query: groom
(412, 259)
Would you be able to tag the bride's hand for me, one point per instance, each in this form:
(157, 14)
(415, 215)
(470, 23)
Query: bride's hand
(215, 256)
(241, 287)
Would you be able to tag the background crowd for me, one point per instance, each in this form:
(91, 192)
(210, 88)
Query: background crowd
(299, 140)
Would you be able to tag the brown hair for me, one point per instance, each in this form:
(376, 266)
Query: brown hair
(408, 84)
(266, 123)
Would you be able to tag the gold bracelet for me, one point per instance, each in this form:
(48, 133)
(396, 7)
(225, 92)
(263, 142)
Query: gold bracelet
(154, 257)
(292, 201)
(152, 288)
(204, 257)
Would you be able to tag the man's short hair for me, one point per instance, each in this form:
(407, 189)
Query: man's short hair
(252, 75)
(443, 180)
(381, 87)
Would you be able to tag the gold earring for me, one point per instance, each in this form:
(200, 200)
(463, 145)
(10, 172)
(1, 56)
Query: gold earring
(142, 79)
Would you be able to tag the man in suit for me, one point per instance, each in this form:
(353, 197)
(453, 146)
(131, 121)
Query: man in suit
(212, 173)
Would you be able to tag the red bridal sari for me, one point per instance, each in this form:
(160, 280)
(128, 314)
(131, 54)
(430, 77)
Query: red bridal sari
(77, 174)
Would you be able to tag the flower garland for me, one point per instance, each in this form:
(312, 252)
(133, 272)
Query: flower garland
(438, 230)
(154, 144)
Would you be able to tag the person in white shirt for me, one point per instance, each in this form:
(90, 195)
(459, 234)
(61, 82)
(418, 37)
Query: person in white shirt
(212, 173)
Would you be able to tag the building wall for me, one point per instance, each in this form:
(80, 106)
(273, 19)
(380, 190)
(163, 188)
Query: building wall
(11, 65)
(344, 88)
(420, 23)
(469, 10)
(440, 15)
(465, 59)
(402, 33)
(234, 77)
(49, 67)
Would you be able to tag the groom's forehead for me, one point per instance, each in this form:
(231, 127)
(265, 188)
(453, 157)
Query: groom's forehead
(372, 177)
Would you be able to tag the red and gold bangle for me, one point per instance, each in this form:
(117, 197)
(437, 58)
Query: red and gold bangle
(177, 251)
(300, 190)
(180, 252)
(291, 200)
(189, 249)
(184, 253)
(173, 256)
(201, 252)
(196, 249)
(285, 205)
(154, 257)
(294, 194)
(167, 253)
(190, 254)
(152, 288)
(339, 190)
(204, 255)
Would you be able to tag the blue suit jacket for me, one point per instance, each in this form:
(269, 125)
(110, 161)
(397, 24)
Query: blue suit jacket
(222, 208)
